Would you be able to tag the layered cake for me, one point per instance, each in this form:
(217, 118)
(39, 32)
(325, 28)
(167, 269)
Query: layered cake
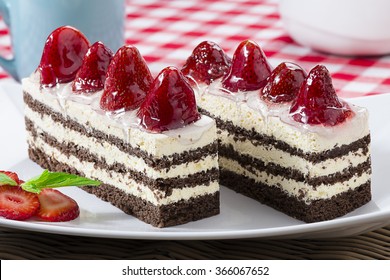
(103, 116)
(285, 138)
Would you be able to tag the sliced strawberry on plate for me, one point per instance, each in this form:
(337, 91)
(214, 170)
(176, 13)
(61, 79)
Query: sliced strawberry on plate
(17, 204)
(207, 63)
(56, 206)
(128, 80)
(170, 102)
(62, 56)
(92, 73)
(284, 83)
(317, 101)
(12, 175)
(250, 68)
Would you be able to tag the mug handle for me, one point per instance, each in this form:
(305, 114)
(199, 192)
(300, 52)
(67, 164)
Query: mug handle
(8, 65)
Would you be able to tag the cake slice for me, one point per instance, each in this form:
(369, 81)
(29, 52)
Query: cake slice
(164, 171)
(285, 138)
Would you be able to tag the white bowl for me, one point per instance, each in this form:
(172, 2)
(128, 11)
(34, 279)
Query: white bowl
(344, 27)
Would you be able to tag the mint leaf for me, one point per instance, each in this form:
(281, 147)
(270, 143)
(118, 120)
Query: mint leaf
(6, 180)
(55, 180)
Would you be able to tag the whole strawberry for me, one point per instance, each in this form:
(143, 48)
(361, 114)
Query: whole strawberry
(250, 68)
(128, 80)
(207, 63)
(169, 104)
(284, 83)
(62, 56)
(92, 73)
(317, 102)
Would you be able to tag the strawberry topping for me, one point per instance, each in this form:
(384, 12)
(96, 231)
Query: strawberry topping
(128, 80)
(92, 74)
(317, 102)
(284, 83)
(207, 63)
(250, 68)
(17, 204)
(169, 104)
(62, 56)
(56, 206)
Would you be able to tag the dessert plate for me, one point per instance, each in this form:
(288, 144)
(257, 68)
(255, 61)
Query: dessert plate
(240, 217)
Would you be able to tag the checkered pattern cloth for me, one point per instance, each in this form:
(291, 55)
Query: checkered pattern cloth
(166, 32)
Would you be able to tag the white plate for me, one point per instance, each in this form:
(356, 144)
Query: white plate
(240, 217)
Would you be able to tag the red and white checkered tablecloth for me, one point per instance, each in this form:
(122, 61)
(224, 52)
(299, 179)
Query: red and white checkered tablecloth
(166, 31)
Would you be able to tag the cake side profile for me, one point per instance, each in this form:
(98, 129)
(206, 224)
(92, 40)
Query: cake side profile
(165, 176)
(311, 162)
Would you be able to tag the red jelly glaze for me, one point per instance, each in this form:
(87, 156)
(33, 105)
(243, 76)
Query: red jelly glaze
(317, 102)
(170, 102)
(62, 56)
(92, 73)
(128, 81)
(207, 63)
(284, 83)
(250, 68)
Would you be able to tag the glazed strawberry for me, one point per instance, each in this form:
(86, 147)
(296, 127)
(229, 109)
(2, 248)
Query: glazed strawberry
(92, 73)
(250, 68)
(12, 175)
(128, 80)
(17, 204)
(207, 63)
(170, 102)
(284, 83)
(317, 102)
(56, 206)
(62, 56)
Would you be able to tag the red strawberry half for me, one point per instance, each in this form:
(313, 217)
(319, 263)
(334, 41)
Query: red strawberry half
(62, 56)
(317, 102)
(17, 204)
(56, 206)
(207, 63)
(284, 83)
(128, 80)
(170, 102)
(92, 74)
(250, 68)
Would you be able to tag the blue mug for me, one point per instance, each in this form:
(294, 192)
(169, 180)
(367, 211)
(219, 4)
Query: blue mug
(31, 21)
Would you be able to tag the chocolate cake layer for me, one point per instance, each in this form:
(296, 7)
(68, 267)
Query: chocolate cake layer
(159, 216)
(241, 134)
(153, 162)
(166, 185)
(318, 210)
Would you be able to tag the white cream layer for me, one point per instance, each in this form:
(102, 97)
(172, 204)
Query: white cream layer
(293, 187)
(111, 154)
(193, 136)
(125, 183)
(269, 154)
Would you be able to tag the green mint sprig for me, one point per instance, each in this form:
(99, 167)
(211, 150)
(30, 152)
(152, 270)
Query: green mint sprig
(50, 180)
(6, 180)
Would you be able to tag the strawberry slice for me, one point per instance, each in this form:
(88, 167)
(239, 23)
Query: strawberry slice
(56, 206)
(12, 175)
(128, 81)
(250, 68)
(62, 56)
(170, 102)
(317, 102)
(17, 204)
(92, 73)
(207, 63)
(284, 83)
